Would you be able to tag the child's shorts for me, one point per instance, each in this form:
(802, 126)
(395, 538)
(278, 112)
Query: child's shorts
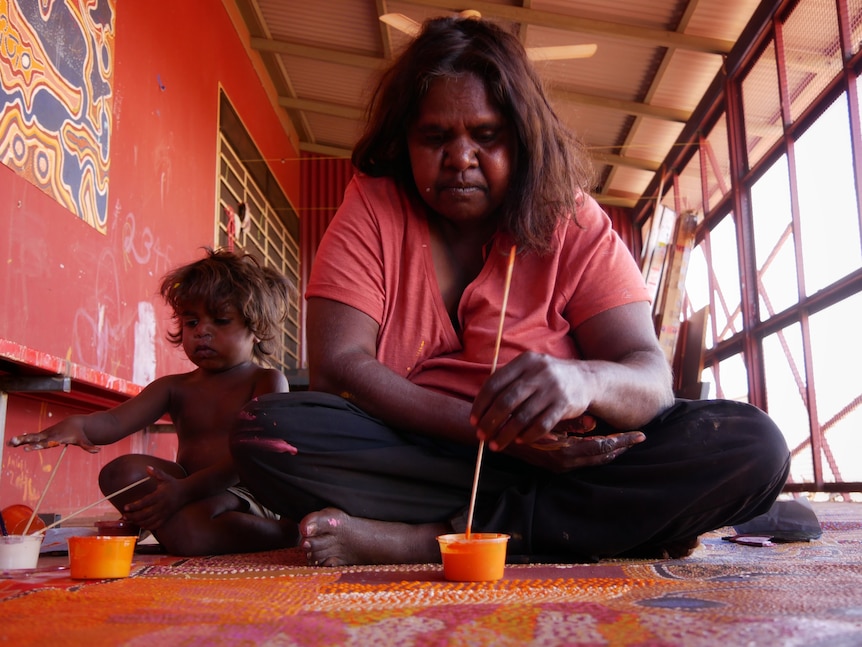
(254, 507)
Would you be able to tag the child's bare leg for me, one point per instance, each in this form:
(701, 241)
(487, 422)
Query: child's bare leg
(216, 525)
(331, 537)
(125, 470)
(219, 525)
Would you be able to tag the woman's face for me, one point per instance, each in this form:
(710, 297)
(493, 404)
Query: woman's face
(461, 150)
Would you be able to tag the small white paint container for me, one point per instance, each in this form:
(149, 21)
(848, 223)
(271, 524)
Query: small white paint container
(20, 552)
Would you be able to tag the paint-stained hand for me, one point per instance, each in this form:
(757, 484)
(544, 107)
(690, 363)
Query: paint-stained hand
(67, 432)
(154, 509)
(575, 451)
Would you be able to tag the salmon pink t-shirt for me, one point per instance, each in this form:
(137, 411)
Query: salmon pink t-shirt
(376, 257)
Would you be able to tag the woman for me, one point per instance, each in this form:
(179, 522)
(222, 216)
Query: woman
(590, 456)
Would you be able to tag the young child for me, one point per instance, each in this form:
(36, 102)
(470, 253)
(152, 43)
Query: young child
(227, 309)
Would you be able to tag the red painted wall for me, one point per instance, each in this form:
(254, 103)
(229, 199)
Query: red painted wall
(68, 292)
(323, 182)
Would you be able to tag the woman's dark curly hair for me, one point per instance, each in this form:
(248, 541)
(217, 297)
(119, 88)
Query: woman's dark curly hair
(550, 169)
(261, 295)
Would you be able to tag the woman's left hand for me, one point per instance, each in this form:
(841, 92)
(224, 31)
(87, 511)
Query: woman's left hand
(574, 451)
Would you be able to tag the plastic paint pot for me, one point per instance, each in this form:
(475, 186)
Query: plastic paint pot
(19, 552)
(481, 558)
(17, 516)
(100, 557)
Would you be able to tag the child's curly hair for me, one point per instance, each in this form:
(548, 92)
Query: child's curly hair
(260, 294)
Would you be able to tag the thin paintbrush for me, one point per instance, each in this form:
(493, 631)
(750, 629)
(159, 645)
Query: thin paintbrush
(472, 507)
(95, 503)
(45, 491)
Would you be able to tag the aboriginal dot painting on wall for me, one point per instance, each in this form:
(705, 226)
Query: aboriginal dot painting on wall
(56, 84)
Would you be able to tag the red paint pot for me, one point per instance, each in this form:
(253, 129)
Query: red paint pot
(16, 516)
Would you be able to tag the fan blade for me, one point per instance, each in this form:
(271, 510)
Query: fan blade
(402, 23)
(561, 52)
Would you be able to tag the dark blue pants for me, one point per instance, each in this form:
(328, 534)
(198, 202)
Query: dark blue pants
(704, 464)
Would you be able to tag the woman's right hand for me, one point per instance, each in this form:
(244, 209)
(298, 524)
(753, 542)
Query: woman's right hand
(67, 432)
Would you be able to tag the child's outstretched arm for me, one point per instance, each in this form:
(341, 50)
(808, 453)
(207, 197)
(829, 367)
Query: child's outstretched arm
(103, 427)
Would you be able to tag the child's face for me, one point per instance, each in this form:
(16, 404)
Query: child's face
(215, 341)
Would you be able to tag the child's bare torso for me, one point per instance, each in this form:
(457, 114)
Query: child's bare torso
(204, 406)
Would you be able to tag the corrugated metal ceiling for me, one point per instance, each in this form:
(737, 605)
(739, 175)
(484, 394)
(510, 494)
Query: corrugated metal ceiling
(629, 102)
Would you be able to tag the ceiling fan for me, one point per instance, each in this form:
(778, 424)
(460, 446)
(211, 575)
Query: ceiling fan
(411, 28)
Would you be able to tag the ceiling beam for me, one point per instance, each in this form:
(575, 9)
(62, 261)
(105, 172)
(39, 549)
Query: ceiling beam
(619, 160)
(615, 201)
(322, 149)
(322, 107)
(357, 60)
(621, 105)
(646, 35)
(637, 125)
(603, 158)
(317, 53)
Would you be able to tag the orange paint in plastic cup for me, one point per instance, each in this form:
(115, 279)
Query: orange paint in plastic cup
(100, 557)
(481, 558)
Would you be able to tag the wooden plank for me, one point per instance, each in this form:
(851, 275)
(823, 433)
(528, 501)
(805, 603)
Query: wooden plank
(673, 284)
(688, 357)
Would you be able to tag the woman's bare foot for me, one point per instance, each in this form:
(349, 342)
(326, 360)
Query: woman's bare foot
(331, 537)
